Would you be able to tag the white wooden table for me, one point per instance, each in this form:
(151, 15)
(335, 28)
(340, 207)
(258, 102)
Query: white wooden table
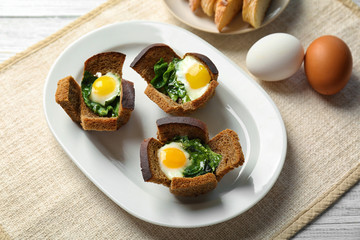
(24, 22)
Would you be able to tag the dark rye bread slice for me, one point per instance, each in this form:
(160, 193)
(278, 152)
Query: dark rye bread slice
(225, 143)
(144, 63)
(170, 127)
(67, 95)
(150, 169)
(103, 63)
(192, 187)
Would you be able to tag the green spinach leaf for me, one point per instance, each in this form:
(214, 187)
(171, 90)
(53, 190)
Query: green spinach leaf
(166, 82)
(203, 159)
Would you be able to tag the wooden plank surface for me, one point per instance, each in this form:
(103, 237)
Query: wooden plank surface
(23, 23)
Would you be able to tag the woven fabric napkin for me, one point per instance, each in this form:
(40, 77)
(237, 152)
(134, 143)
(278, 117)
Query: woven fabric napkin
(44, 195)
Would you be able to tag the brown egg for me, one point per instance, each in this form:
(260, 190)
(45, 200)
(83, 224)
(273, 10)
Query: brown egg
(328, 64)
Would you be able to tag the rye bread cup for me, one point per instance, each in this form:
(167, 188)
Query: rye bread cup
(144, 63)
(226, 143)
(69, 96)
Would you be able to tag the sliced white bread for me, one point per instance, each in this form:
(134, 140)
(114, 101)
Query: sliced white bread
(254, 11)
(225, 11)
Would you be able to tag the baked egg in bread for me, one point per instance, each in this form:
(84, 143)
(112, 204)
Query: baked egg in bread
(194, 75)
(105, 89)
(178, 85)
(104, 100)
(185, 160)
(173, 159)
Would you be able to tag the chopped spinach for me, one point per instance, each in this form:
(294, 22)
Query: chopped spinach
(111, 108)
(203, 159)
(166, 82)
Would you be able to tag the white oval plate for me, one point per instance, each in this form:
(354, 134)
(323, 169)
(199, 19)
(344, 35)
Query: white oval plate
(111, 159)
(199, 20)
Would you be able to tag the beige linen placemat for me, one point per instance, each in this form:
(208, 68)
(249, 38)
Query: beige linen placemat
(44, 195)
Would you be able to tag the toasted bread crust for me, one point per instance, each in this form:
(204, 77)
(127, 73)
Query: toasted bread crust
(192, 187)
(68, 96)
(170, 127)
(144, 159)
(127, 102)
(103, 63)
(225, 143)
(128, 93)
(149, 163)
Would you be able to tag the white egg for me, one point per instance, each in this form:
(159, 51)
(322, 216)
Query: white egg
(275, 57)
(197, 83)
(173, 159)
(106, 88)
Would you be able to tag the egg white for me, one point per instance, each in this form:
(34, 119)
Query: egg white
(103, 99)
(181, 69)
(173, 172)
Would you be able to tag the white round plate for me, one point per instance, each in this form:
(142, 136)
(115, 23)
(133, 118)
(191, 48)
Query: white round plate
(111, 159)
(199, 20)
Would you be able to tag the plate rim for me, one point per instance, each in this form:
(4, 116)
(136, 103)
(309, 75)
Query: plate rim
(176, 28)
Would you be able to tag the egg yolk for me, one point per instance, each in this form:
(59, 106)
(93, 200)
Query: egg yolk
(173, 158)
(104, 85)
(197, 76)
